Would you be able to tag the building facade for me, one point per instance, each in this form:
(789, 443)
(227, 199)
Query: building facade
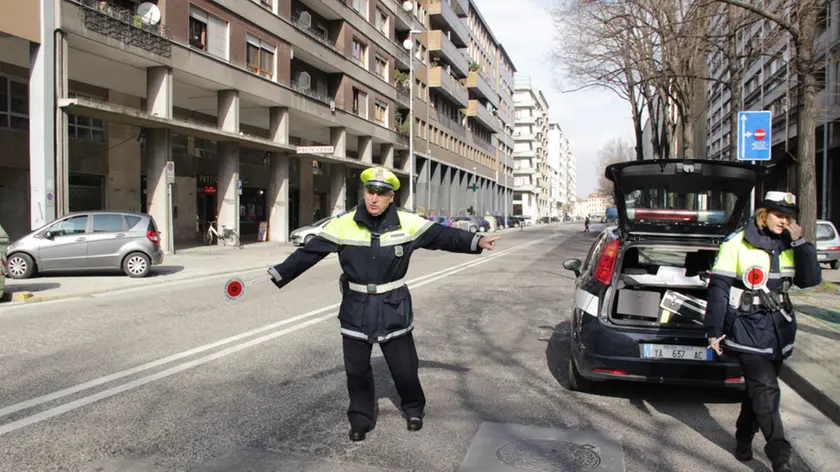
(266, 109)
(564, 172)
(531, 188)
(769, 83)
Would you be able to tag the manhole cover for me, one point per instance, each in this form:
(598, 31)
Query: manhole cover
(502, 447)
(550, 456)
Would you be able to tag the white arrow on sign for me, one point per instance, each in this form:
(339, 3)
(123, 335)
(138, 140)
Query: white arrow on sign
(744, 136)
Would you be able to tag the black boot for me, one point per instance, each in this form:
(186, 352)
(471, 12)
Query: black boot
(743, 451)
(782, 466)
(357, 434)
(414, 424)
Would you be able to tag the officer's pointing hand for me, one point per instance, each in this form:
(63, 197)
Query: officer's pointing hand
(488, 242)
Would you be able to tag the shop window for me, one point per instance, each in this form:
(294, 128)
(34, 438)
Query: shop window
(14, 103)
(260, 57)
(208, 33)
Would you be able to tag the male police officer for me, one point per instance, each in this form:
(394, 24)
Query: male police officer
(374, 243)
(749, 309)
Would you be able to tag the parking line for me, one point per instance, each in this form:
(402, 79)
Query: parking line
(415, 283)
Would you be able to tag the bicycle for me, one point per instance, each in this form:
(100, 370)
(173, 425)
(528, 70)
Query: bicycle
(228, 237)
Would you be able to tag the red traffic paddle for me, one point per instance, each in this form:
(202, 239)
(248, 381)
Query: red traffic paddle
(235, 287)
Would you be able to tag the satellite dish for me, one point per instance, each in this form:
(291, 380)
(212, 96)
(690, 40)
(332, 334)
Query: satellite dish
(149, 13)
(408, 5)
(407, 43)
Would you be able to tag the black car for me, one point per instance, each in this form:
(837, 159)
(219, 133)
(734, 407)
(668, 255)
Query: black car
(641, 291)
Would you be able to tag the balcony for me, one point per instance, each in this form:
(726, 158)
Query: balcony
(448, 86)
(403, 96)
(303, 25)
(439, 44)
(478, 84)
(401, 55)
(483, 115)
(124, 25)
(525, 171)
(442, 16)
(461, 7)
(405, 17)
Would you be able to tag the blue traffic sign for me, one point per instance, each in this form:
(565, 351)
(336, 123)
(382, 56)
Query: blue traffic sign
(754, 140)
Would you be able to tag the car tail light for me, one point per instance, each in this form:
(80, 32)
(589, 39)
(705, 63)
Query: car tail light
(610, 371)
(734, 380)
(153, 237)
(606, 263)
(833, 248)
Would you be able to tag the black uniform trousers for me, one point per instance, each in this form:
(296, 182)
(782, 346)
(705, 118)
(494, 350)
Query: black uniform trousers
(760, 407)
(401, 356)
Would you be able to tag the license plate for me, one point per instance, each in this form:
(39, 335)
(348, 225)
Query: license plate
(822, 256)
(667, 351)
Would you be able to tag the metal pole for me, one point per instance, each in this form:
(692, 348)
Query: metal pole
(824, 208)
(171, 223)
(506, 196)
(410, 204)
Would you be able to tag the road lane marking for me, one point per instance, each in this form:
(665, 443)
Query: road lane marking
(52, 412)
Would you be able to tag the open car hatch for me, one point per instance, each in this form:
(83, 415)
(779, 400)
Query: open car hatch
(682, 197)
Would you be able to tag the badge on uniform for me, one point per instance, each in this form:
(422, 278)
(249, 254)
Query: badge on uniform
(398, 251)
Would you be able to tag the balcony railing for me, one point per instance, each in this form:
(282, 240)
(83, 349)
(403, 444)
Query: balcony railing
(315, 34)
(309, 92)
(125, 25)
(406, 17)
(403, 96)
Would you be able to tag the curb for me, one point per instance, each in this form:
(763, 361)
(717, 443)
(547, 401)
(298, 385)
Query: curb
(822, 402)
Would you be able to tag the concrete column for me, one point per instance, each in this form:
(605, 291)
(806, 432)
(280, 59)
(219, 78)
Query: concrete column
(62, 137)
(159, 84)
(278, 199)
(278, 118)
(158, 151)
(388, 155)
(228, 117)
(338, 139)
(306, 193)
(227, 194)
(278, 187)
(366, 149)
(124, 160)
(436, 185)
(338, 188)
(42, 75)
(446, 192)
(420, 187)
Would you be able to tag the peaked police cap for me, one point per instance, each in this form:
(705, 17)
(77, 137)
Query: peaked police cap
(380, 177)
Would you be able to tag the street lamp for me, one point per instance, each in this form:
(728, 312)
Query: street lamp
(409, 44)
(475, 192)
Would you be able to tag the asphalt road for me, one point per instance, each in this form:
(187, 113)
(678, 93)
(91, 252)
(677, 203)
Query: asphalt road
(179, 378)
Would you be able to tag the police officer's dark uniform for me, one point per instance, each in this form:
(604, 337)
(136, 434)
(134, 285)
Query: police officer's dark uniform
(748, 302)
(374, 252)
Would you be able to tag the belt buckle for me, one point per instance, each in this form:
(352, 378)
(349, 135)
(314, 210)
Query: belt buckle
(371, 288)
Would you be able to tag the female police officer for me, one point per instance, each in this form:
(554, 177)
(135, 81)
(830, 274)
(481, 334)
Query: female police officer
(374, 243)
(750, 314)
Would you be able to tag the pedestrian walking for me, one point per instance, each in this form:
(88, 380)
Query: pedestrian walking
(586, 225)
(374, 242)
(750, 315)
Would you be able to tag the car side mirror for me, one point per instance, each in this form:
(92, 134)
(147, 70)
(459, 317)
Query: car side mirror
(572, 265)
(49, 235)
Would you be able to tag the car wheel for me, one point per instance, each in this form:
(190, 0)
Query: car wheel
(473, 229)
(577, 382)
(834, 265)
(308, 238)
(136, 264)
(20, 266)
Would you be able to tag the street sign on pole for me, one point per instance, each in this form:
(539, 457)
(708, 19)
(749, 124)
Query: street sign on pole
(239, 187)
(170, 172)
(754, 135)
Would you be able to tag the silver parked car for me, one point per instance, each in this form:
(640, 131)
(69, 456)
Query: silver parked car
(304, 234)
(828, 244)
(87, 241)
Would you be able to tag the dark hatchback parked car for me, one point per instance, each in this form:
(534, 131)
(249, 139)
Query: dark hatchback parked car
(641, 291)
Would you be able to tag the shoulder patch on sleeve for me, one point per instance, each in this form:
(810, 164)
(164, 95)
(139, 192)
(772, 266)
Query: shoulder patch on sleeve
(733, 234)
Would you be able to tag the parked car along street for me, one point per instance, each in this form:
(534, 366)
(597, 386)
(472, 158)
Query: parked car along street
(304, 234)
(83, 241)
(641, 290)
(828, 244)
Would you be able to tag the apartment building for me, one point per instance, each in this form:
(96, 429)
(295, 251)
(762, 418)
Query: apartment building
(561, 162)
(531, 170)
(267, 110)
(769, 83)
(464, 112)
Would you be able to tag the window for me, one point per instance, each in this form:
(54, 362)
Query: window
(14, 103)
(381, 22)
(107, 223)
(359, 53)
(359, 103)
(73, 225)
(260, 57)
(381, 68)
(381, 112)
(265, 3)
(132, 220)
(208, 33)
(361, 7)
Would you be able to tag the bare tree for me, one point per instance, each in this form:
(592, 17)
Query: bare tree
(799, 19)
(614, 151)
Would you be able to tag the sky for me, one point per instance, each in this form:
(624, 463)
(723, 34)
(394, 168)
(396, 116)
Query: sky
(588, 118)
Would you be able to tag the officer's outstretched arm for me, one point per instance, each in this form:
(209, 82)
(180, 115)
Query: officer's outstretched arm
(435, 236)
(808, 271)
(304, 258)
(717, 299)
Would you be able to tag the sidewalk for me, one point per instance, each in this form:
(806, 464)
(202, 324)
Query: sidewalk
(190, 262)
(186, 264)
(814, 368)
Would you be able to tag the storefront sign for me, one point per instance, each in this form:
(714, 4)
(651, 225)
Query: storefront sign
(209, 189)
(315, 149)
(207, 179)
(263, 231)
